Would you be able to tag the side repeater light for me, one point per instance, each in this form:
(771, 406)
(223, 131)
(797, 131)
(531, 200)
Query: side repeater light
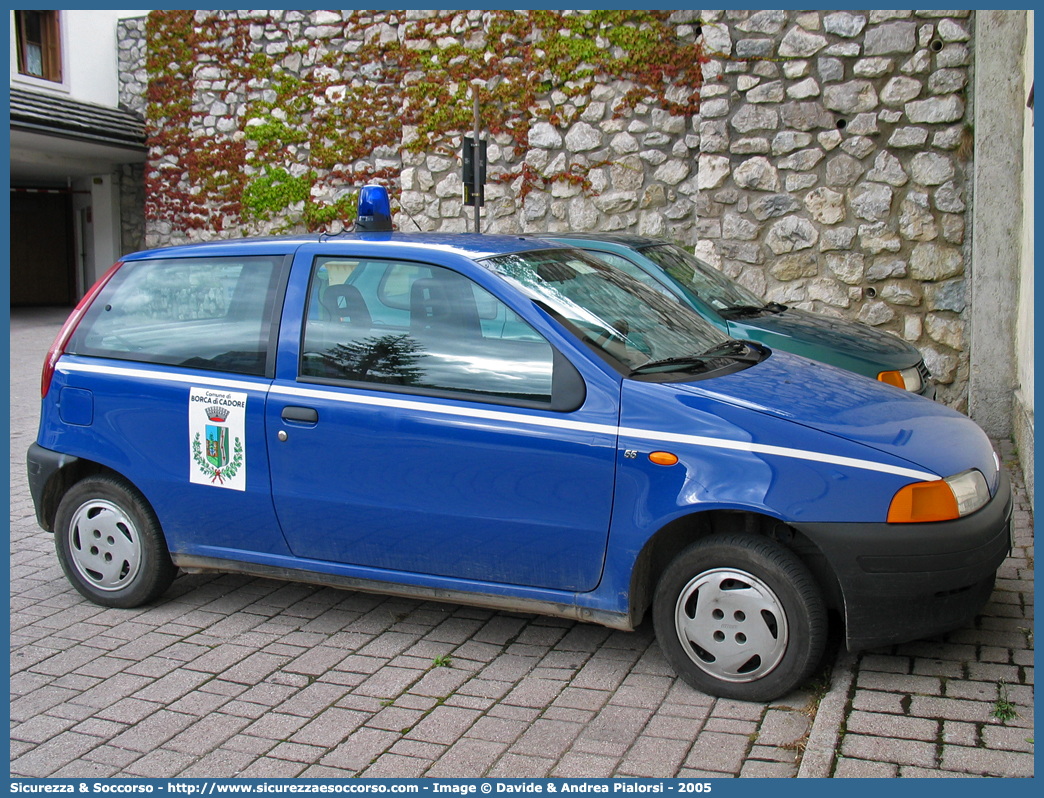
(663, 458)
(374, 210)
(940, 500)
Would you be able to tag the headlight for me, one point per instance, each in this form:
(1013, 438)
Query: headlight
(970, 490)
(907, 379)
(941, 500)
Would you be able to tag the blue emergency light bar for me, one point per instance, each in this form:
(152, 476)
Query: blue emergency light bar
(374, 210)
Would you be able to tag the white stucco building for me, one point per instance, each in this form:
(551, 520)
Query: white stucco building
(75, 155)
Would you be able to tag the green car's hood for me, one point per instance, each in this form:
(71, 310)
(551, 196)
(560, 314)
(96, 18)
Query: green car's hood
(839, 342)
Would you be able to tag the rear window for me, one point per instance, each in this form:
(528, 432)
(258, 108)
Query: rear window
(203, 313)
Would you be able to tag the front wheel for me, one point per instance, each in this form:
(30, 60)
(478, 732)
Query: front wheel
(740, 617)
(110, 545)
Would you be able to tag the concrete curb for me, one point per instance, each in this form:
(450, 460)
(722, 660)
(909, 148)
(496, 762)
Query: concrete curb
(818, 759)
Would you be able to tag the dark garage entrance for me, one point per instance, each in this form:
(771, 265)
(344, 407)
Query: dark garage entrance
(42, 255)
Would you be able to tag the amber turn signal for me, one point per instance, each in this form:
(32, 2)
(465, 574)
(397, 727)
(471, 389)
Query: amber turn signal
(892, 378)
(907, 379)
(923, 502)
(663, 458)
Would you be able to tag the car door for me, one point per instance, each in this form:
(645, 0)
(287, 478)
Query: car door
(411, 429)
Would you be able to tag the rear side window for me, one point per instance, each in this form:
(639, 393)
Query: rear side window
(203, 313)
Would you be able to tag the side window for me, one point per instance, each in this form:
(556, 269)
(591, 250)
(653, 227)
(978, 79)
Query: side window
(422, 328)
(205, 313)
(627, 267)
(396, 280)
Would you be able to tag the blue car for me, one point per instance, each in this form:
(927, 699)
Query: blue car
(505, 422)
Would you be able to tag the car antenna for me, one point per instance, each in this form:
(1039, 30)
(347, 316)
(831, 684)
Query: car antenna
(410, 217)
(326, 236)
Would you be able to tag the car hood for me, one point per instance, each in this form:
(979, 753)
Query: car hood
(896, 422)
(794, 328)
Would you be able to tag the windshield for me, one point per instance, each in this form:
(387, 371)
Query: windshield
(702, 279)
(630, 324)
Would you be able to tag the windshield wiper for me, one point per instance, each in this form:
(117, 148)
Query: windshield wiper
(737, 350)
(688, 361)
(742, 310)
(733, 350)
(751, 310)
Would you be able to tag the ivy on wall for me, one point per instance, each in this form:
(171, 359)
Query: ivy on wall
(314, 133)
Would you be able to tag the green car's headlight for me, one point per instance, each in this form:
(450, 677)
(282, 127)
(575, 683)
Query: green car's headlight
(907, 379)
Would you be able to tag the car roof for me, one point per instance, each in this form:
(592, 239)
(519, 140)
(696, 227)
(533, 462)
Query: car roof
(470, 245)
(621, 239)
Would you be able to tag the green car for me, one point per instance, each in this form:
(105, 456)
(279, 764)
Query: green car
(743, 315)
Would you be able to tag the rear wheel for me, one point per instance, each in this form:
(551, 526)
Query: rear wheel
(740, 617)
(110, 545)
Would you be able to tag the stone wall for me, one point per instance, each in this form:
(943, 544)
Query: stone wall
(130, 53)
(827, 167)
(594, 158)
(833, 169)
(131, 50)
(640, 170)
(597, 162)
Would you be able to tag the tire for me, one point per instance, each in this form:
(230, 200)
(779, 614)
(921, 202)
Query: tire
(740, 617)
(110, 545)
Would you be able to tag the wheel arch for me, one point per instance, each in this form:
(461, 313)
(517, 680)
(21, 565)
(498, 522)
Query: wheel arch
(59, 483)
(660, 549)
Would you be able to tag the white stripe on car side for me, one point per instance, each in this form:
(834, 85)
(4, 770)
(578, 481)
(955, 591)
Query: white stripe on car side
(449, 410)
(780, 451)
(117, 371)
(655, 436)
(607, 429)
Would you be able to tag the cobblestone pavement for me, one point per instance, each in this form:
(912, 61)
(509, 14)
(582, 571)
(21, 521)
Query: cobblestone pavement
(230, 675)
(956, 705)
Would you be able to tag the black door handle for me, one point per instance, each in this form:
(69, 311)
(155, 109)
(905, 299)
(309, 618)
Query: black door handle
(307, 415)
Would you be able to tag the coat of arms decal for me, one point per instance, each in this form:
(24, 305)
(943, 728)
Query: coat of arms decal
(217, 430)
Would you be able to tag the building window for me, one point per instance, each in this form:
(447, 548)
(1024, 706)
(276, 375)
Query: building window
(39, 50)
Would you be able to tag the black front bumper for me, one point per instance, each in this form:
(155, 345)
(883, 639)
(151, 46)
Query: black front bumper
(902, 582)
